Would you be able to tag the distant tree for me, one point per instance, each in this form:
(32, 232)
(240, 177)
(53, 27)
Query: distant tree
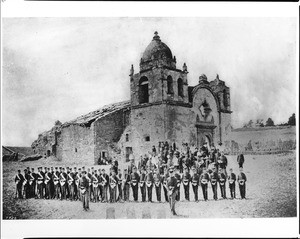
(292, 120)
(269, 122)
(260, 123)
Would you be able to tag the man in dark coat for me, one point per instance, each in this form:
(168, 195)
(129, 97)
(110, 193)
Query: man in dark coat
(214, 178)
(172, 190)
(19, 179)
(242, 183)
(186, 178)
(134, 181)
(231, 181)
(84, 187)
(195, 183)
(143, 184)
(149, 183)
(204, 179)
(240, 160)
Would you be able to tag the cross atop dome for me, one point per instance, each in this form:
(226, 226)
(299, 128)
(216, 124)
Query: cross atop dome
(156, 36)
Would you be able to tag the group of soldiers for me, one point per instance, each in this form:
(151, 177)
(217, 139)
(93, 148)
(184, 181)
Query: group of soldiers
(165, 168)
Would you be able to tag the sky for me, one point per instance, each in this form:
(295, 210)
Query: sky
(60, 68)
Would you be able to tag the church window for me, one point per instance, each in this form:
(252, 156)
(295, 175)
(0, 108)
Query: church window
(180, 87)
(127, 137)
(104, 154)
(75, 150)
(143, 90)
(147, 138)
(170, 85)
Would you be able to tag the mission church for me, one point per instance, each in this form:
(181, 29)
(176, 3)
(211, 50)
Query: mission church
(162, 107)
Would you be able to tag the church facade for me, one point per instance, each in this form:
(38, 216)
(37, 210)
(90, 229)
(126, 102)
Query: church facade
(162, 107)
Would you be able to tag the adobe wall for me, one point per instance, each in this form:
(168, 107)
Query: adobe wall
(108, 131)
(76, 144)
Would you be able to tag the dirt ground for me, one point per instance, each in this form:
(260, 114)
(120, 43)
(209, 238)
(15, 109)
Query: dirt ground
(271, 192)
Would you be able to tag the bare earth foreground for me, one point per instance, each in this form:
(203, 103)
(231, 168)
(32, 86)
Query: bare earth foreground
(271, 192)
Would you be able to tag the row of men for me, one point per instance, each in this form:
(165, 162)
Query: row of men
(115, 186)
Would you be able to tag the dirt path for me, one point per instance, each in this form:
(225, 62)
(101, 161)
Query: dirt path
(271, 192)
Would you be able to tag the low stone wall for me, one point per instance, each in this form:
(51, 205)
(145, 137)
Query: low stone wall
(261, 141)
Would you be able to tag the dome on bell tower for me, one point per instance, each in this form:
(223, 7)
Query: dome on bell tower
(157, 53)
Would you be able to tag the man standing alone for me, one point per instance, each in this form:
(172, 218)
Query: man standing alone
(84, 187)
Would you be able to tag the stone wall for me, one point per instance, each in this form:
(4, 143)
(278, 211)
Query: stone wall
(107, 133)
(261, 140)
(76, 144)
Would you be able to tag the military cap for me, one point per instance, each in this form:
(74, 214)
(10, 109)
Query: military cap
(48, 168)
(25, 170)
(51, 167)
(60, 167)
(84, 172)
(74, 167)
(103, 170)
(32, 168)
(45, 167)
(125, 169)
(55, 167)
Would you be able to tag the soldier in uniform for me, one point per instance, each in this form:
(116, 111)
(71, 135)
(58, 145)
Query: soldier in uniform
(62, 181)
(214, 178)
(204, 179)
(134, 180)
(104, 183)
(74, 183)
(178, 177)
(143, 184)
(223, 163)
(40, 181)
(51, 182)
(47, 184)
(157, 184)
(186, 178)
(126, 185)
(55, 179)
(89, 177)
(172, 190)
(26, 184)
(165, 185)
(242, 183)
(195, 182)
(33, 185)
(94, 182)
(149, 183)
(99, 196)
(231, 180)
(77, 182)
(19, 179)
(222, 182)
(71, 184)
(84, 187)
(240, 160)
(120, 191)
(113, 182)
